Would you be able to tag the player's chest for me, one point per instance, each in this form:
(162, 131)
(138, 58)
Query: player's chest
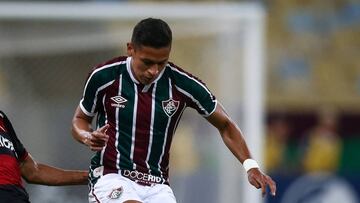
(159, 102)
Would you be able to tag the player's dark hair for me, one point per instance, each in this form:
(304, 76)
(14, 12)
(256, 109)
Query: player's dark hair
(152, 32)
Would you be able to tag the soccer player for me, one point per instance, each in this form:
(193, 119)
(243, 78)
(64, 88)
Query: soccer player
(16, 162)
(138, 101)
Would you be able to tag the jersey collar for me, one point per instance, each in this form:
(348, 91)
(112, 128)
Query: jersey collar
(128, 67)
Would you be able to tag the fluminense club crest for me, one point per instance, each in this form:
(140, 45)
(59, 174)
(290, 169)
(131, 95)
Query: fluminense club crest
(116, 193)
(170, 106)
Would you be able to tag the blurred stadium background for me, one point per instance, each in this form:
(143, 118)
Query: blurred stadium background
(305, 54)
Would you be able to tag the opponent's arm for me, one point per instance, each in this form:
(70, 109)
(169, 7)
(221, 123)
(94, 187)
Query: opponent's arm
(82, 132)
(38, 173)
(234, 140)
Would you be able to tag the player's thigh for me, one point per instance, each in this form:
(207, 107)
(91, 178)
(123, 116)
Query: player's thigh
(161, 194)
(113, 188)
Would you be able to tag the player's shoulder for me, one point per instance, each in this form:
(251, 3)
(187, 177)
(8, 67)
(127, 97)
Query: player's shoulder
(175, 69)
(2, 115)
(4, 121)
(182, 74)
(110, 63)
(104, 70)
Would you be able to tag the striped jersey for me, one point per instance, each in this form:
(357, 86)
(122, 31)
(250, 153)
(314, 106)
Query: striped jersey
(12, 153)
(142, 118)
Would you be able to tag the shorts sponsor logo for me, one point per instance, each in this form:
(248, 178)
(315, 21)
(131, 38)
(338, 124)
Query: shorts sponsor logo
(144, 178)
(119, 101)
(116, 193)
(170, 106)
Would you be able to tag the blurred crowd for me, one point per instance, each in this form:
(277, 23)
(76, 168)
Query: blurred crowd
(316, 146)
(314, 50)
(315, 152)
(313, 95)
(313, 53)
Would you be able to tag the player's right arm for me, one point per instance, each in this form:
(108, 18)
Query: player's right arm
(82, 120)
(82, 132)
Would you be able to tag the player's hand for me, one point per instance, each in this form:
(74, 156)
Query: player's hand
(97, 139)
(260, 180)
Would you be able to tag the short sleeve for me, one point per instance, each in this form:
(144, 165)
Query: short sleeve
(20, 150)
(88, 103)
(97, 82)
(202, 100)
(199, 96)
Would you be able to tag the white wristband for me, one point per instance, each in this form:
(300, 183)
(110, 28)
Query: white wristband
(249, 164)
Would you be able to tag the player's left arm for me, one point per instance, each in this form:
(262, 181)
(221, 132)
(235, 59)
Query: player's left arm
(38, 173)
(234, 140)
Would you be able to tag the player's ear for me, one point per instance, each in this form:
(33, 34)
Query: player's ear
(129, 48)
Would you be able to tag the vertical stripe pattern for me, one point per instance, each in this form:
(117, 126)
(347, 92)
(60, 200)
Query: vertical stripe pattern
(103, 150)
(151, 127)
(166, 133)
(143, 123)
(117, 129)
(142, 119)
(133, 135)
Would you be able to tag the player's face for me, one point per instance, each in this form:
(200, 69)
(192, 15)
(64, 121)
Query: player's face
(147, 62)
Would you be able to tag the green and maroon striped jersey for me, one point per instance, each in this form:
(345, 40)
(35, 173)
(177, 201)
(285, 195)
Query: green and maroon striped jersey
(142, 118)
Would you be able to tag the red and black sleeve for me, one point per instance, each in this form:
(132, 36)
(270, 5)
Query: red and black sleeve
(19, 147)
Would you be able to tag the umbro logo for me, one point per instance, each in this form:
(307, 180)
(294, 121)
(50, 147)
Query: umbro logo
(119, 101)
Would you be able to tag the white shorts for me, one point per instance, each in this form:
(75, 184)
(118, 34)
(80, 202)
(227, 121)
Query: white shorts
(114, 188)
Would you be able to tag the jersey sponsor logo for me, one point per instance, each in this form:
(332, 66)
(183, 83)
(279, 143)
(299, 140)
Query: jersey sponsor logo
(170, 106)
(119, 101)
(116, 193)
(6, 143)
